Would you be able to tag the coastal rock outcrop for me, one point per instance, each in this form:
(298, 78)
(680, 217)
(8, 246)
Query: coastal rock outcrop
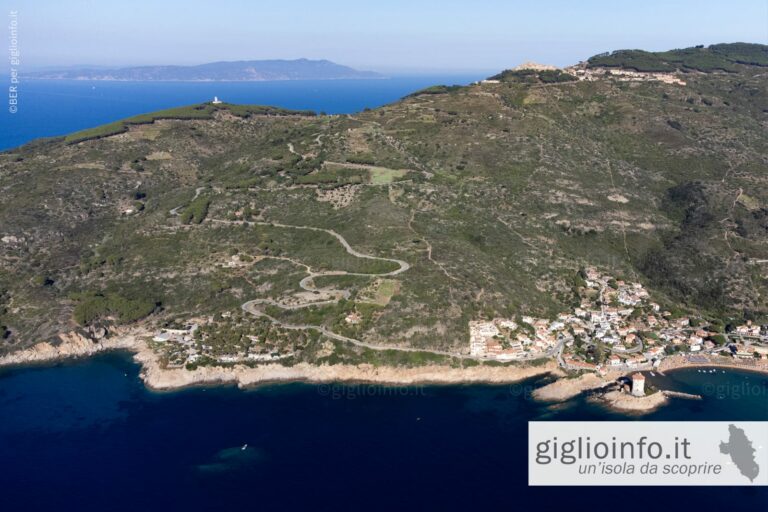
(73, 344)
(628, 403)
(565, 389)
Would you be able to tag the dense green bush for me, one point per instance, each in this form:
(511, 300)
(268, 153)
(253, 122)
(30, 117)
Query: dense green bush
(366, 159)
(555, 76)
(719, 57)
(197, 211)
(340, 176)
(95, 306)
(533, 76)
(437, 89)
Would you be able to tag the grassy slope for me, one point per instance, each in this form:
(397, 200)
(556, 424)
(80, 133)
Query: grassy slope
(202, 111)
(514, 186)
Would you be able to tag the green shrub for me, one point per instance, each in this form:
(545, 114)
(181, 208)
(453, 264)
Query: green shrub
(533, 76)
(201, 111)
(719, 57)
(197, 211)
(719, 339)
(93, 307)
(436, 89)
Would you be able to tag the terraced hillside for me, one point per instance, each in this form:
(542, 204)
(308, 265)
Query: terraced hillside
(344, 238)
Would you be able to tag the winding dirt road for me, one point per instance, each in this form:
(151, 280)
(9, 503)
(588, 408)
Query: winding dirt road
(252, 306)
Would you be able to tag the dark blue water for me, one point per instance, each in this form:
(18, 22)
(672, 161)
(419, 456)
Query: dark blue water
(89, 437)
(57, 107)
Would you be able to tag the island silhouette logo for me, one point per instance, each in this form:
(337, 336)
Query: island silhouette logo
(741, 451)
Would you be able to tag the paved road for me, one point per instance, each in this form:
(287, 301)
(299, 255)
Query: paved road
(637, 348)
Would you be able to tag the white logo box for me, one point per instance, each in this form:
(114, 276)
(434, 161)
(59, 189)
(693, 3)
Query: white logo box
(597, 453)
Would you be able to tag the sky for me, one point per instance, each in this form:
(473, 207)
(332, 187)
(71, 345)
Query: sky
(392, 36)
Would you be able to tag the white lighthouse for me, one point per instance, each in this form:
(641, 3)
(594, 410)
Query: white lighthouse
(216, 100)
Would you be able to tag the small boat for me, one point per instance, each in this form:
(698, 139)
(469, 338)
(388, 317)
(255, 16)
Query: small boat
(244, 446)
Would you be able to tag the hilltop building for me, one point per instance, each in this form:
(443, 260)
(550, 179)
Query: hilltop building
(534, 66)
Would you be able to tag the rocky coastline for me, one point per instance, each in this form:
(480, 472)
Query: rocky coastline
(74, 345)
(565, 389)
(626, 402)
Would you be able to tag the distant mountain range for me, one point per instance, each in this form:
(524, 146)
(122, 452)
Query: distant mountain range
(247, 70)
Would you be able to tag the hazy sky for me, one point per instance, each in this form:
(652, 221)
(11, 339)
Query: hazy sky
(382, 35)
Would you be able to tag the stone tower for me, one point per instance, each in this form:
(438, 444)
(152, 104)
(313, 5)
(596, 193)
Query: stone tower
(638, 384)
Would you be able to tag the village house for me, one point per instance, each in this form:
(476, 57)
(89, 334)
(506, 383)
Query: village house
(654, 352)
(748, 329)
(743, 351)
(182, 336)
(353, 318)
(695, 343)
(576, 364)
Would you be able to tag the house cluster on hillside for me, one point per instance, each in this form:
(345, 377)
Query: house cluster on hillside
(507, 340)
(184, 345)
(603, 315)
(615, 326)
(582, 72)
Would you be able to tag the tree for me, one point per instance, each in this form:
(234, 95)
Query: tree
(196, 212)
(43, 280)
(719, 339)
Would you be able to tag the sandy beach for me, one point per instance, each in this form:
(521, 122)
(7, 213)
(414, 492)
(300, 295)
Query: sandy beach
(681, 361)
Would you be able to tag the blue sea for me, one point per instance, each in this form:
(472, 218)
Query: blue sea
(57, 107)
(88, 436)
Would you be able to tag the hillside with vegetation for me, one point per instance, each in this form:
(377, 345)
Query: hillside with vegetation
(400, 224)
(717, 57)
